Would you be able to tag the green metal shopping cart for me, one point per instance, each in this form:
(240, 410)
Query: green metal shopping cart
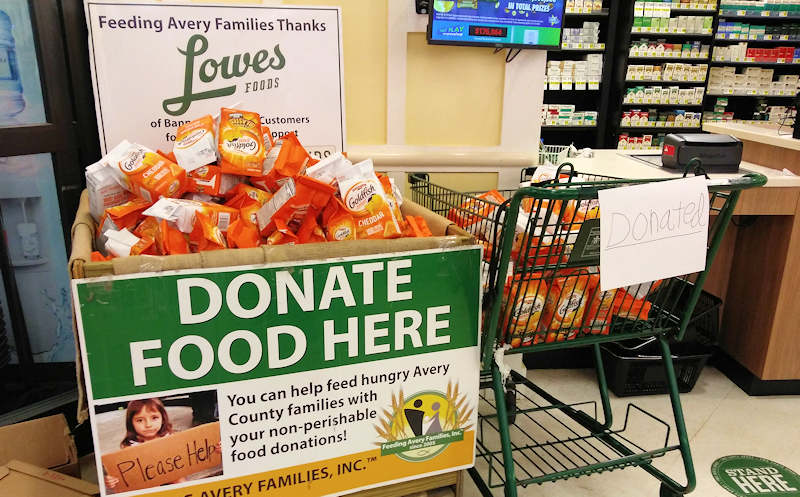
(542, 293)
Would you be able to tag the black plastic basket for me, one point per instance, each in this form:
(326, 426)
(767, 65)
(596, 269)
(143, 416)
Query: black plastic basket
(632, 370)
(703, 326)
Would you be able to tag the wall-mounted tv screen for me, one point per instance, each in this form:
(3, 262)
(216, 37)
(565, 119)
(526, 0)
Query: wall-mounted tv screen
(491, 23)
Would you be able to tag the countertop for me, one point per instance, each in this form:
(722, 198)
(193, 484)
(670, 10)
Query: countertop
(766, 133)
(617, 163)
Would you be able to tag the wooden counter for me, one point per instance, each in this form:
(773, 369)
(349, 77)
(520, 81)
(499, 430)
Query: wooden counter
(756, 271)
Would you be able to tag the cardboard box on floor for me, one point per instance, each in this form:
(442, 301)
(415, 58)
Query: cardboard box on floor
(45, 442)
(446, 234)
(20, 479)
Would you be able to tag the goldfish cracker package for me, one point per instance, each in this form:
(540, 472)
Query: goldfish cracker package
(195, 144)
(567, 300)
(241, 144)
(104, 190)
(286, 160)
(393, 203)
(602, 306)
(363, 196)
(206, 235)
(182, 212)
(242, 194)
(243, 233)
(329, 168)
(339, 224)
(167, 155)
(283, 235)
(292, 202)
(170, 241)
(578, 211)
(205, 179)
(266, 135)
(523, 316)
(416, 227)
(127, 215)
(473, 211)
(633, 300)
(145, 173)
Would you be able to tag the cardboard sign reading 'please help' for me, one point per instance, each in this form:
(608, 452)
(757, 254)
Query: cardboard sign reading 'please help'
(652, 231)
(166, 459)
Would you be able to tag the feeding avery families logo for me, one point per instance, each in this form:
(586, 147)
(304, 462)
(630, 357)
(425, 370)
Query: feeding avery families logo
(422, 426)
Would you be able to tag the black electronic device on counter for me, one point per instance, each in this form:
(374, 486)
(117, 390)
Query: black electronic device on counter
(717, 153)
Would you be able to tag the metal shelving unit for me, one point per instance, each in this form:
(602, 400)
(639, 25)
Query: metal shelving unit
(588, 99)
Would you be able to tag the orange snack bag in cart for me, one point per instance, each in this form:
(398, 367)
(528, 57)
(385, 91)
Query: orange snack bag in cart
(522, 317)
(363, 196)
(170, 241)
(566, 304)
(195, 144)
(472, 211)
(241, 144)
(602, 306)
(292, 202)
(145, 173)
(283, 235)
(393, 203)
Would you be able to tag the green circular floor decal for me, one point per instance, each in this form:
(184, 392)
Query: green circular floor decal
(749, 475)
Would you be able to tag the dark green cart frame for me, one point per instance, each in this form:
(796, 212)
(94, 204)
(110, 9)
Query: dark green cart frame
(525, 435)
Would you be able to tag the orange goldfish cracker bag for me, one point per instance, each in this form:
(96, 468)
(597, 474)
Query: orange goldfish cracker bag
(205, 179)
(393, 203)
(287, 159)
(182, 212)
(283, 235)
(145, 173)
(171, 241)
(243, 234)
(266, 134)
(566, 304)
(309, 231)
(602, 307)
(291, 203)
(242, 194)
(473, 211)
(363, 196)
(634, 303)
(127, 215)
(578, 211)
(338, 222)
(416, 227)
(168, 155)
(241, 144)
(206, 235)
(522, 316)
(195, 144)
(329, 168)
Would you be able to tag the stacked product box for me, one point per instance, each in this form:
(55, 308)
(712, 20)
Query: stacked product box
(577, 6)
(677, 24)
(720, 112)
(664, 95)
(752, 81)
(588, 34)
(740, 52)
(667, 72)
(644, 142)
(662, 48)
(743, 31)
(566, 115)
(575, 74)
(758, 7)
(653, 118)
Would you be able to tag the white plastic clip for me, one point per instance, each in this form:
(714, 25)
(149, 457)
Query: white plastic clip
(499, 359)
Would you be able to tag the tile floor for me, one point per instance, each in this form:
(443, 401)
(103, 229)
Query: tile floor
(721, 420)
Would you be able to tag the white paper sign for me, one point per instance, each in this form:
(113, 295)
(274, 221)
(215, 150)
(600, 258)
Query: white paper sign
(652, 231)
(155, 66)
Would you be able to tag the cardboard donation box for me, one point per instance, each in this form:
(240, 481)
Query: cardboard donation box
(19, 479)
(45, 442)
(322, 368)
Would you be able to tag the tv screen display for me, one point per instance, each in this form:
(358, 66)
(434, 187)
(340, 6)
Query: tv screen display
(504, 23)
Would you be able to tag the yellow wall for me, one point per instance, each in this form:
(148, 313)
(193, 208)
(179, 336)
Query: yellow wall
(454, 94)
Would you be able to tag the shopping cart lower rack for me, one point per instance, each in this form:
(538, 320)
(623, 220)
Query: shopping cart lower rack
(542, 293)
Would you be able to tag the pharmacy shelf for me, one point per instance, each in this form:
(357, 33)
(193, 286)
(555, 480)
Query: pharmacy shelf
(768, 15)
(754, 63)
(658, 128)
(681, 35)
(570, 128)
(573, 90)
(669, 58)
(745, 95)
(596, 14)
(780, 39)
(583, 50)
(660, 82)
(692, 11)
(626, 104)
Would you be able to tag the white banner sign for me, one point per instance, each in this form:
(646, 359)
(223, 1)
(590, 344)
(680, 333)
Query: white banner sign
(156, 66)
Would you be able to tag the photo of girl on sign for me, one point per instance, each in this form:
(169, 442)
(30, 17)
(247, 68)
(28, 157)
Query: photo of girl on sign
(159, 441)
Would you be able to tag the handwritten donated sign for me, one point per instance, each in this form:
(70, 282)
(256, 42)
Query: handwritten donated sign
(652, 231)
(165, 460)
